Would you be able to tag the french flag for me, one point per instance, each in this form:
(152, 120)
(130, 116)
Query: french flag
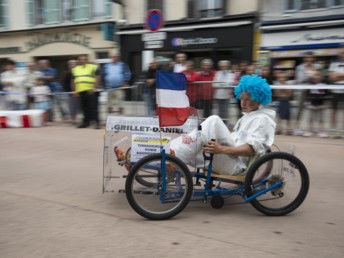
(173, 106)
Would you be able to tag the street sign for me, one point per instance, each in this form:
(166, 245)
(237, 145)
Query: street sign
(154, 20)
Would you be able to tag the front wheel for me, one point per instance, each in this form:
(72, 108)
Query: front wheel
(290, 176)
(161, 197)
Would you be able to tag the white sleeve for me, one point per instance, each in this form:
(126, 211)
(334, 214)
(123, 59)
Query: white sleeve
(261, 134)
(332, 67)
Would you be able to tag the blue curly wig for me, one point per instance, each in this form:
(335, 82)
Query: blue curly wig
(258, 88)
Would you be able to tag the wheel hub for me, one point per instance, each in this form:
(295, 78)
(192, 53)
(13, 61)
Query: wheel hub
(274, 180)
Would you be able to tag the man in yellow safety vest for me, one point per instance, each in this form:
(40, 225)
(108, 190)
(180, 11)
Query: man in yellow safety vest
(86, 78)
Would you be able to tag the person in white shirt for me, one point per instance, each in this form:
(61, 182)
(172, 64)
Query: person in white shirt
(41, 94)
(225, 77)
(253, 133)
(180, 64)
(13, 82)
(30, 80)
(336, 76)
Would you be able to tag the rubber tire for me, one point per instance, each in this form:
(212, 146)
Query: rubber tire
(139, 180)
(217, 202)
(299, 198)
(170, 214)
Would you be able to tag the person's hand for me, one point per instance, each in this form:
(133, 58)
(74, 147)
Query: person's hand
(213, 147)
(90, 92)
(76, 94)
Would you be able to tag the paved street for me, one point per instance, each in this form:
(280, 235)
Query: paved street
(51, 205)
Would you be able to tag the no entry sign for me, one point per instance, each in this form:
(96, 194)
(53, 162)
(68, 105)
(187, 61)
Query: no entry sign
(154, 20)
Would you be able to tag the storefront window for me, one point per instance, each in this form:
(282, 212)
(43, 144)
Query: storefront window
(38, 11)
(312, 4)
(154, 4)
(3, 13)
(295, 5)
(211, 8)
(67, 10)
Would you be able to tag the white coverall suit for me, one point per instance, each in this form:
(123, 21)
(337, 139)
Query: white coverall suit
(256, 128)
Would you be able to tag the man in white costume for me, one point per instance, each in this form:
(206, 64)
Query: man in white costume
(252, 134)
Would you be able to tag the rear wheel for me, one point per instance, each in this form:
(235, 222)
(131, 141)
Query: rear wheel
(290, 176)
(159, 197)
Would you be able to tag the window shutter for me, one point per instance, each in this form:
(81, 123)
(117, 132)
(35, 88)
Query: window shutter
(81, 10)
(4, 16)
(108, 9)
(30, 12)
(51, 11)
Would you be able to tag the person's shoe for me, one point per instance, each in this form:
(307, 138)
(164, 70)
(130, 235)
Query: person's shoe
(308, 134)
(297, 132)
(322, 135)
(83, 126)
(97, 126)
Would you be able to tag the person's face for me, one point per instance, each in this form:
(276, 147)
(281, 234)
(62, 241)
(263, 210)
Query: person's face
(115, 58)
(247, 104)
(9, 67)
(83, 60)
(154, 64)
(206, 66)
(43, 64)
(189, 67)
(341, 54)
(72, 65)
(265, 71)
(250, 70)
(243, 66)
(180, 58)
(31, 66)
(308, 59)
(40, 82)
(223, 67)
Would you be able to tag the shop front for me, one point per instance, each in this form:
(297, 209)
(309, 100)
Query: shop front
(230, 39)
(284, 48)
(57, 45)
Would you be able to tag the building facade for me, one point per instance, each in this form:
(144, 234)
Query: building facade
(58, 30)
(291, 28)
(216, 29)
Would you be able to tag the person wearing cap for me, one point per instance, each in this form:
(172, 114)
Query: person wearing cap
(252, 134)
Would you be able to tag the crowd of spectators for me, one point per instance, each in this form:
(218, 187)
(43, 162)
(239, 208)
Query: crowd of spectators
(208, 89)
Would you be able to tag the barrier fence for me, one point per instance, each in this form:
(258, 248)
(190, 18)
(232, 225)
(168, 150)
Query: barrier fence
(137, 104)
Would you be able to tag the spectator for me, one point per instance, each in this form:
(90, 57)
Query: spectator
(266, 74)
(243, 67)
(223, 94)
(40, 94)
(304, 75)
(115, 75)
(250, 70)
(13, 81)
(150, 87)
(316, 107)
(283, 97)
(86, 78)
(30, 81)
(73, 101)
(191, 89)
(50, 76)
(180, 60)
(206, 90)
(336, 76)
(236, 72)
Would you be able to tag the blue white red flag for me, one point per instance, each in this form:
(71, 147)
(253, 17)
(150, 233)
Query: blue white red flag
(173, 106)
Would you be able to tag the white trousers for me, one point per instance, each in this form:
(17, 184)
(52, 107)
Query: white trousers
(188, 148)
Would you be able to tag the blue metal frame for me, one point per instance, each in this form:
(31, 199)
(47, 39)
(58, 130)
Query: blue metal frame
(203, 194)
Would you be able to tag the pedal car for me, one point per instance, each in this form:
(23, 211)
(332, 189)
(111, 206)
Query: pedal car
(160, 185)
